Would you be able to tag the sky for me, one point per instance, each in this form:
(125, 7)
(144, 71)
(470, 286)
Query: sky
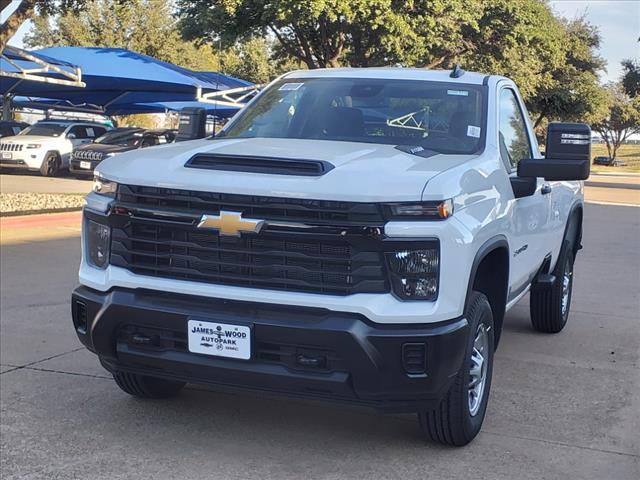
(619, 24)
(617, 20)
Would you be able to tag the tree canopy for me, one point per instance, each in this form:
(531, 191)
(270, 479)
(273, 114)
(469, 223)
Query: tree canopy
(25, 9)
(631, 77)
(554, 62)
(144, 26)
(149, 27)
(621, 120)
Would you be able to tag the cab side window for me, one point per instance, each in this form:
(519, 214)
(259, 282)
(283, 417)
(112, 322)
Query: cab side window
(99, 131)
(149, 141)
(78, 132)
(513, 138)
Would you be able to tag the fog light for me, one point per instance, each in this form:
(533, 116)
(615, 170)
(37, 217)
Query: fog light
(98, 239)
(419, 288)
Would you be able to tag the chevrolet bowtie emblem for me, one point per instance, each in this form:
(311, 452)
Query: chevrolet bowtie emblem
(230, 223)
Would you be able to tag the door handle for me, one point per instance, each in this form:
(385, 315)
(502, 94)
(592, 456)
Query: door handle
(546, 189)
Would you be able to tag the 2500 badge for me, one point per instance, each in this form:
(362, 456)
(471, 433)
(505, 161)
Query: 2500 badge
(219, 339)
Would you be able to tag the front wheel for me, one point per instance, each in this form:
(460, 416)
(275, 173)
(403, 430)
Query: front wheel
(459, 416)
(549, 306)
(50, 165)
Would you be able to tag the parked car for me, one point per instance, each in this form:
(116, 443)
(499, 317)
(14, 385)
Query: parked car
(353, 235)
(602, 160)
(46, 146)
(11, 128)
(608, 161)
(86, 157)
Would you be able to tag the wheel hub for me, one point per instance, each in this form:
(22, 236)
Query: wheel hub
(478, 369)
(566, 287)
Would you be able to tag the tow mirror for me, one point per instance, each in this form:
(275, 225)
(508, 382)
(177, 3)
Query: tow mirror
(568, 154)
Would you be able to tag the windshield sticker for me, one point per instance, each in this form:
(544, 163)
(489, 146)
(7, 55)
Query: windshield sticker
(412, 121)
(459, 93)
(291, 86)
(473, 131)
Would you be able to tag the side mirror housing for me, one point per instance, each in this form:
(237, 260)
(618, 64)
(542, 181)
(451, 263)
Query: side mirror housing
(568, 154)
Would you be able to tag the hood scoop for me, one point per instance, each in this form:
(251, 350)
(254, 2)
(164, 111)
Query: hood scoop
(253, 164)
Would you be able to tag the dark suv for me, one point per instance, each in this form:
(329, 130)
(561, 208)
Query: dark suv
(86, 157)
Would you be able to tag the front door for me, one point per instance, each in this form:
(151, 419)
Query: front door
(530, 228)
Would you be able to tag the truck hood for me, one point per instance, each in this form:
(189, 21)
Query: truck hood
(24, 139)
(363, 172)
(105, 148)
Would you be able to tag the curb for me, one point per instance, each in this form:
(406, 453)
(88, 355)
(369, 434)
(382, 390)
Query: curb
(42, 220)
(25, 213)
(624, 186)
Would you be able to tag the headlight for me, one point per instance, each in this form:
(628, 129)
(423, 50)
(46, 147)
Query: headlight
(422, 210)
(103, 186)
(107, 155)
(33, 145)
(414, 273)
(97, 244)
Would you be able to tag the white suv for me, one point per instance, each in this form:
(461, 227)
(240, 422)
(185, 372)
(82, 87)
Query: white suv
(46, 146)
(353, 235)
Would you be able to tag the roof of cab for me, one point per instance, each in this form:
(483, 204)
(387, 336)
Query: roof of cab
(395, 73)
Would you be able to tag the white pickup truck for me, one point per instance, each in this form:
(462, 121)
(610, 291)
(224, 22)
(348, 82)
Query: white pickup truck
(47, 145)
(354, 235)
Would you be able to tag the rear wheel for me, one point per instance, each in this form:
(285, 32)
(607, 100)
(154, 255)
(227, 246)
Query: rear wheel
(50, 165)
(549, 306)
(459, 416)
(147, 387)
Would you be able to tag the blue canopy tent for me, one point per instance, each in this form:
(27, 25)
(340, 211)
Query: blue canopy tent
(220, 111)
(115, 80)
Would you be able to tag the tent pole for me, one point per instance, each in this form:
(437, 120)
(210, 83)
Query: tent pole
(7, 113)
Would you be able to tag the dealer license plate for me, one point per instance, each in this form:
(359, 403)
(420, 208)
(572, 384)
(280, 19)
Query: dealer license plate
(86, 165)
(219, 339)
(6, 155)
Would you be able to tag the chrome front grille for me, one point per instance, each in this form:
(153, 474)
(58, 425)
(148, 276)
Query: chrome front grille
(11, 147)
(89, 155)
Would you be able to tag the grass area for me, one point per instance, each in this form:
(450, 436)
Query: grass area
(629, 154)
(26, 203)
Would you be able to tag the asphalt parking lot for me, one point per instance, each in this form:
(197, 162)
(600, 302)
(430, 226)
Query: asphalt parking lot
(563, 406)
(33, 182)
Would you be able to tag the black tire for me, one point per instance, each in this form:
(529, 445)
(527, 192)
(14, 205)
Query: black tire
(50, 165)
(452, 421)
(147, 387)
(546, 303)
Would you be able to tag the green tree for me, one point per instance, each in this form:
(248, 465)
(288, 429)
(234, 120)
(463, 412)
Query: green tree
(572, 91)
(144, 26)
(252, 60)
(25, 9)
(621, 120)
(631, 77)
(521, 39)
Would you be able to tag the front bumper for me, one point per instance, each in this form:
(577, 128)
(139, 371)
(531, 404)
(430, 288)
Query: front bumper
(13, 163)
(357, 361)
(74, 166)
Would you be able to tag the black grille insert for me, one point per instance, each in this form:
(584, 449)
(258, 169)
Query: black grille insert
(281, 258)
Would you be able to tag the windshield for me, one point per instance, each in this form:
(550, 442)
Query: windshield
(45, 129)
(438, 116)
(129, 138)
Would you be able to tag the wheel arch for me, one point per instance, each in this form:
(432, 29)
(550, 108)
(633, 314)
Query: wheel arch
(573, 228)
(490, 276)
